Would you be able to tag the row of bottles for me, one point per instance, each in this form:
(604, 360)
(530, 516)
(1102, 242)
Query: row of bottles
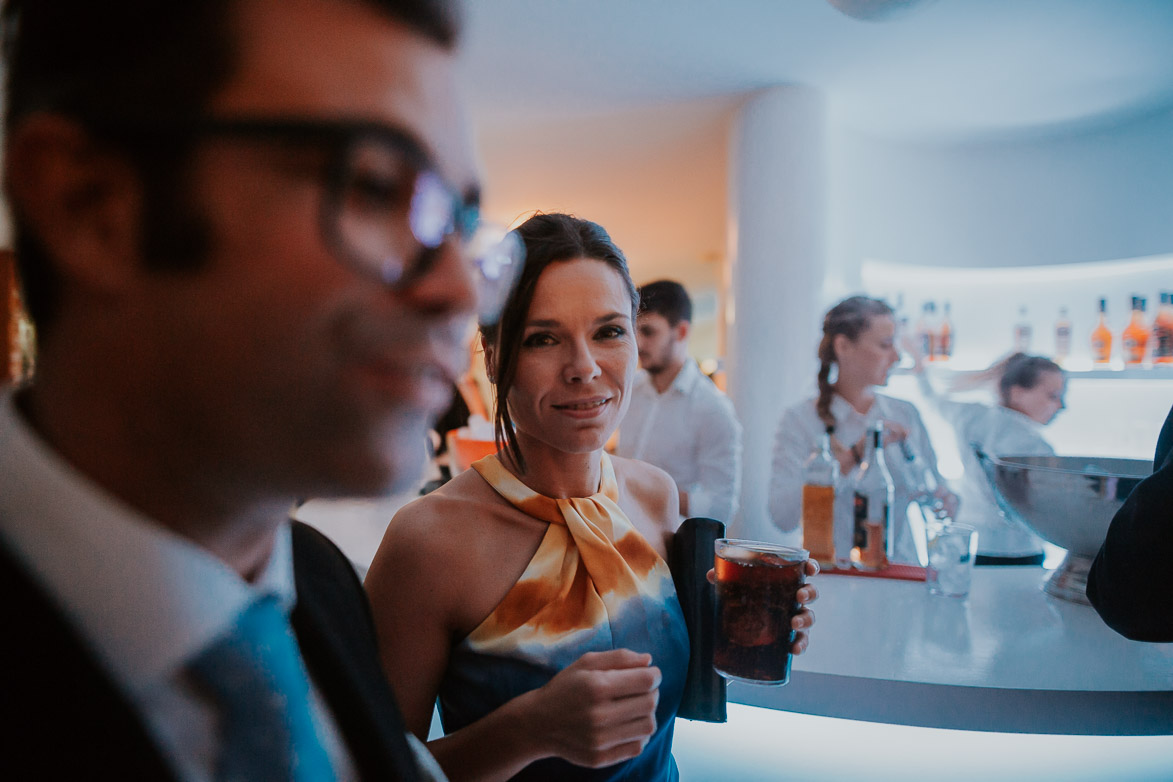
(1138, 337)
(871, 491)
(1139, 342)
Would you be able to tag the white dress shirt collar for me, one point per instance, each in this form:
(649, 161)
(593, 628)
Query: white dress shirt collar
(683, 383)
(98, 557)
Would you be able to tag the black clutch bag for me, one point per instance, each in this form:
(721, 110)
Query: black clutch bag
(690, 559)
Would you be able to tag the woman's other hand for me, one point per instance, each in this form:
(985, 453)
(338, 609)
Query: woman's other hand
(893, 433)
(950, 501)
(598, 711)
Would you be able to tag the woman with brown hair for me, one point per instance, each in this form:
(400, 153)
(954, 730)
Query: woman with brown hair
(530, 593)
(856, 353)
(1030, 391)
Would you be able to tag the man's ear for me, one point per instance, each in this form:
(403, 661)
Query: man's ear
(490, 359)
(682, 329)
(82, 203)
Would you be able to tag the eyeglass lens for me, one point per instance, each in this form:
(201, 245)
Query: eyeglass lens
(389, 211)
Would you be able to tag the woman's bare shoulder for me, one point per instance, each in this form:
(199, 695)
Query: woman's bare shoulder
(649, 486)
(443, 520)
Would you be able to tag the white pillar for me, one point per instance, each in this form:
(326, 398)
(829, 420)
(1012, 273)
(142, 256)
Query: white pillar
(778, 194)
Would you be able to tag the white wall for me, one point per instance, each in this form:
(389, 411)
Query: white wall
(1094, 195)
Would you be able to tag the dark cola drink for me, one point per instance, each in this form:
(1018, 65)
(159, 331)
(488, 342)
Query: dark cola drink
(757, 587)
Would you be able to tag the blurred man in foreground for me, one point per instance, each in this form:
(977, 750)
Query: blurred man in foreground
(1129, 584)
(241, 226)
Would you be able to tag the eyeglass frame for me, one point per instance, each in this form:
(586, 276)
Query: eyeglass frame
(342, 136)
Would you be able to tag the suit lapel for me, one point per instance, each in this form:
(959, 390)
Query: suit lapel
(65, 718)
(336, 635)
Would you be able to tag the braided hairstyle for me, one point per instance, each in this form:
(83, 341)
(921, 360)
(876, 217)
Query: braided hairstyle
(850, 317)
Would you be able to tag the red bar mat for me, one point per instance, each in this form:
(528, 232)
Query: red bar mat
(901, 572)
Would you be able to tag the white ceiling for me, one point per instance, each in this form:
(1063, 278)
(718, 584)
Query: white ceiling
(946, 68)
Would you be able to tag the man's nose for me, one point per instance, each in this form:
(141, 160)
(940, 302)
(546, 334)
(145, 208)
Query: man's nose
(449, 285)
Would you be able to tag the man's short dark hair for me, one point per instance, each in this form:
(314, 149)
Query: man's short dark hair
(103, 62)
(667, 298)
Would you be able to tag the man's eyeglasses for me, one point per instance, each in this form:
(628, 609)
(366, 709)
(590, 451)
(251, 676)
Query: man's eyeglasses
(385, 210)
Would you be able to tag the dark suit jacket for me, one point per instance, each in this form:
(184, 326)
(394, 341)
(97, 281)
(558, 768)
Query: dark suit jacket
(65, 719)
(1131, 582)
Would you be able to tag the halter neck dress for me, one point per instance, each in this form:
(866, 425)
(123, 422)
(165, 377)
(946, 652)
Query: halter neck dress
(594, 584)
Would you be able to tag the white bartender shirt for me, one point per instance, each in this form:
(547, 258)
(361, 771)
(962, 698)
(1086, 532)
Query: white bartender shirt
(147, 600)
(999, 431)
(799, 434)
(691, 432)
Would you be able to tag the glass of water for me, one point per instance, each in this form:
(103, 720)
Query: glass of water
(951, 552)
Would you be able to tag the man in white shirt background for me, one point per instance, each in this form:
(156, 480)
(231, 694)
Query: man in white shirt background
(678, 419)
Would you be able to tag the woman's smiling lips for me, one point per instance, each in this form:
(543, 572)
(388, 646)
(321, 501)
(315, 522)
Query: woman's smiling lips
(590, 407)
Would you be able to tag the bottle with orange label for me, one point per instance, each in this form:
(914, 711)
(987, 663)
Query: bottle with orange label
(1102, 337)
(1134, 341)
(1163, 331)
(818, 502)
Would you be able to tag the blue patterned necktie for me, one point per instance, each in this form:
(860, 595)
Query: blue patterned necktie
(261, 686)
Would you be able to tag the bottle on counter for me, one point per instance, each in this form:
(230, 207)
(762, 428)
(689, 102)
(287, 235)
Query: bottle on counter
(927, 513)
(873, 494)
(945, 336)
(1163, 330)
(1135, 339)
(1022, 332)
(1102, 337)
(1062, 336)
(820, 477)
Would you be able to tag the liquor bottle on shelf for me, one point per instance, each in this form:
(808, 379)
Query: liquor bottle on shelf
(926, 331)
(1163, 330)
(820, 476)
(873, 493)
(1135, 339)
(1022, 332)
(1102, 337)
(1062, 336)
(945, 336)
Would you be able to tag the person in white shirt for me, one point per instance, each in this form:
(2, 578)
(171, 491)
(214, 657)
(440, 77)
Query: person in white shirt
(679, 420)
(1030, 395)
(859, 343)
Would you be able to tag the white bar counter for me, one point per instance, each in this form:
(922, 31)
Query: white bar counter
(1009, 658)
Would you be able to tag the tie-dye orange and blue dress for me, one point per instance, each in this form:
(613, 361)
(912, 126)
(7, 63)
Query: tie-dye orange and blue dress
(594, 584)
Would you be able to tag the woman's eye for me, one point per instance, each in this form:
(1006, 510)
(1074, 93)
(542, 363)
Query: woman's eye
(612, 332)
(537, 340)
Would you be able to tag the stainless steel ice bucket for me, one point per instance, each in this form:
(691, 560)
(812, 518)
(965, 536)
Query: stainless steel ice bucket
(1067, 501)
